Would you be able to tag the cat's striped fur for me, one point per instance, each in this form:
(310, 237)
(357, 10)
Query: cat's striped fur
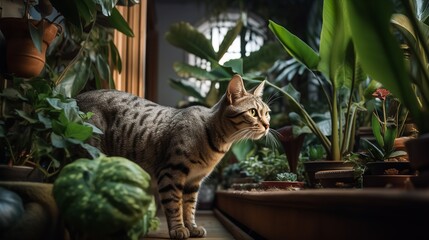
(178, 147)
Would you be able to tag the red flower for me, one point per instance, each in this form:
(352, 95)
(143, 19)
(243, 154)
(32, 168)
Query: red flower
(381, 93)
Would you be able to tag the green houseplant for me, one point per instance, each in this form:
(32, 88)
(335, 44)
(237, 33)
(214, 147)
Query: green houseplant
(113, 191)
(337, 69)
(405, 75)
(42, 128)
(340, 68)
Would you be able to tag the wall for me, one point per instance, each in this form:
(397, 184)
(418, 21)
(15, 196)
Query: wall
(167, 13)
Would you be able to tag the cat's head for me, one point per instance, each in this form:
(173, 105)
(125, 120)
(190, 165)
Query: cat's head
(245, 110)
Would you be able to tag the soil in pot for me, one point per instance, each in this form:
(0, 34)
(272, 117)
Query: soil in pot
(282, 185)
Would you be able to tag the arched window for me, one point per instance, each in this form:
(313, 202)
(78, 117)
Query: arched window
(251, 38)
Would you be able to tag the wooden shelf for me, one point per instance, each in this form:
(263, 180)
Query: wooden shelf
(329, 213)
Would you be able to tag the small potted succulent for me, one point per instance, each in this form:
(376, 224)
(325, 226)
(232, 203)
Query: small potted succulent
(284, 180)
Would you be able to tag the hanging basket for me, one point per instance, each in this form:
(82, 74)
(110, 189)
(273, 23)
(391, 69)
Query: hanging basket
(22, 57)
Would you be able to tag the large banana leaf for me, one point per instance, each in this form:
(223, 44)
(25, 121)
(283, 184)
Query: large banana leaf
(264, 58)
(183, 35)
(379, 52)
(229, 38)
(185, 70)
(295, 46)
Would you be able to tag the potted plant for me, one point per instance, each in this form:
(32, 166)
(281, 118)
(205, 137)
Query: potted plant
(27, 40)
(114, 191)
(403, 73)
(337, 69)
(284, 180)
(42, 129)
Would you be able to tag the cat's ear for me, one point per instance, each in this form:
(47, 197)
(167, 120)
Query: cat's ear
(259, 90)
(235, 89)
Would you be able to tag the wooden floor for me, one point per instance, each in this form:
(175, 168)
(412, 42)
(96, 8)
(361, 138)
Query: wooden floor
(207, 219)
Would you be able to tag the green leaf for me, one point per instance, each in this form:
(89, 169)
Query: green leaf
(229, 38)
(241, 149)
(378, 50)
(389, 137)
(185, 70)
(107, 6)
(115, 56)
(118, 22)
(93, 151)
(75, 77)
(46, 120)
(396, 154)
(58, 127)
(26, 116)
(376, 130)
(58, 141)
(78, 131)
(103, 68)
(375, 152)
(295, 46)
(236, 65)
(36, 33)
(186, 37)
(184, 87)
(264, 58)
(87, 11)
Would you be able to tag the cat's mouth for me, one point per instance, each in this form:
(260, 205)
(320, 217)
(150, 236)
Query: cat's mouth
(262, 133)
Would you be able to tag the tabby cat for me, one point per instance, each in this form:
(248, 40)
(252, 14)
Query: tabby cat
(178, 147)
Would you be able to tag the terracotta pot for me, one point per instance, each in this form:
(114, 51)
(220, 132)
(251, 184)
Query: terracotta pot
(336, 178)
(22, 57)
(389, 168)
(387, 181)
(419, 160)
(312, 167)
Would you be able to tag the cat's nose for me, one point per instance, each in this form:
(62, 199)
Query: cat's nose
(266, 125)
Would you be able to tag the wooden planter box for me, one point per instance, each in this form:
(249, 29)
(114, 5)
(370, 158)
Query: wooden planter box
(329, 213)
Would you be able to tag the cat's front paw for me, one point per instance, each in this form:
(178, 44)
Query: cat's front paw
(179, 233)
(197, 231)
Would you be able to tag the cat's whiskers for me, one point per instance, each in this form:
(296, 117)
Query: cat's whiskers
(243, 134)
(273, 98)
(271, 139)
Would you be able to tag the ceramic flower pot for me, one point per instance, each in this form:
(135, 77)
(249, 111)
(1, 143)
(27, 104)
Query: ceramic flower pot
(419, 160)
(22, 57)
(312, 167)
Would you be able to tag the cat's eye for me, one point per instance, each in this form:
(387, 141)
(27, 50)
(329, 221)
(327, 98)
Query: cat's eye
(253, 112)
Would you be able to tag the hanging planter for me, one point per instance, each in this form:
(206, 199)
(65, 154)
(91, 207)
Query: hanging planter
(23, 59)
